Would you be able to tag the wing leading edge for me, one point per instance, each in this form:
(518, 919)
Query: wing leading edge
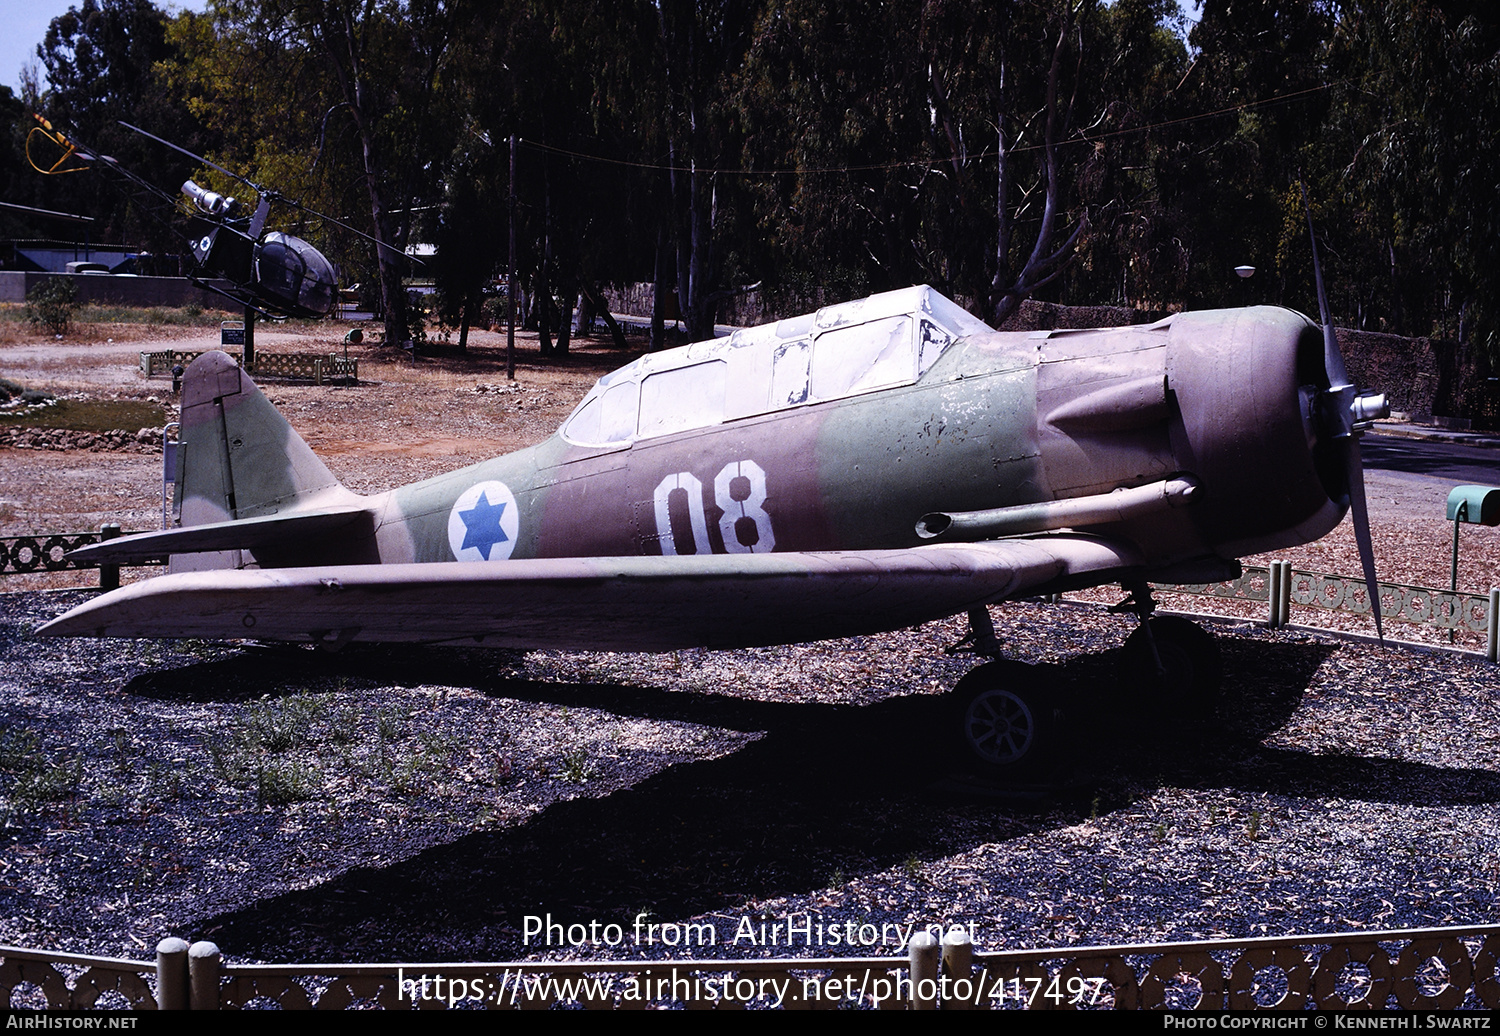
(611, 603)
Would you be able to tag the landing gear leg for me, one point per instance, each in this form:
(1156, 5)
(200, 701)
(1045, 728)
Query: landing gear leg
(981, 639)
(1004, 718)
(1170, 661)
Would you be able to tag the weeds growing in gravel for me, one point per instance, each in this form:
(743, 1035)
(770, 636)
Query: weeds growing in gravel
(576, 768)
(286, 724)
(32, 777)
(391, 725)
(283, 781)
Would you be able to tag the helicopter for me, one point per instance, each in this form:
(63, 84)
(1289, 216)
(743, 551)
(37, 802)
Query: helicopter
(270, 272)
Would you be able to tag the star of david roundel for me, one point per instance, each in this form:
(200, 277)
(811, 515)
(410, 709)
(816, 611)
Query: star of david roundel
(484, 523)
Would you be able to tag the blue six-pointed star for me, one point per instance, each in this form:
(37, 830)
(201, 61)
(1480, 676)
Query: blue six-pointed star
(482, 525)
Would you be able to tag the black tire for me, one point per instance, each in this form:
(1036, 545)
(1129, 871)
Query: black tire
(1003, 724)
(1187, 685)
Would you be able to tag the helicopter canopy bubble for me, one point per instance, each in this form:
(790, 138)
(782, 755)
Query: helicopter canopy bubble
(294, 273)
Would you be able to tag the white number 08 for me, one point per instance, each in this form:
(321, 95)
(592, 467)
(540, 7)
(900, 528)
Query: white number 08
(739, 492)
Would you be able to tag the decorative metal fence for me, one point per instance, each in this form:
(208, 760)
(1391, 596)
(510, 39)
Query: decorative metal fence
(318, 368)
(1280, 586)
(1412, 969)
(49, 553)
(163, 360)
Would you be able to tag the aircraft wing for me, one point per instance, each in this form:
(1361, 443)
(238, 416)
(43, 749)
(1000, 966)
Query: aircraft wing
(609, 603)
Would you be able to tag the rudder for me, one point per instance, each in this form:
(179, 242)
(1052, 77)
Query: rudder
(239, 458)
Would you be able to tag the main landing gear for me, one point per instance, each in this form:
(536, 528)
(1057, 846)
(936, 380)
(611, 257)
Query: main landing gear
(1171, 664)
(1005, 720)
(1011, 723)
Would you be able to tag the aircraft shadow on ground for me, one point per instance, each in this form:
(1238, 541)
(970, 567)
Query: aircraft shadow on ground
(826, 790)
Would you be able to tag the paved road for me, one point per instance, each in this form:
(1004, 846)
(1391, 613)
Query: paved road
(1450, 462)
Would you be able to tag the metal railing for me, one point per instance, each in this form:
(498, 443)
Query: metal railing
(1281, 587)
(1411, 969)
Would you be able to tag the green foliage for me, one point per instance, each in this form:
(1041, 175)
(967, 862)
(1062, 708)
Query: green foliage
(834, 146)
(284, 781)
(50, 304)
(576, 768)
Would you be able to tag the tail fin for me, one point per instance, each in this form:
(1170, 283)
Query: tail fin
(238, 458)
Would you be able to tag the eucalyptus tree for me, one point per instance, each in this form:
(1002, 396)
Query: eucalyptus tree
(99, 62)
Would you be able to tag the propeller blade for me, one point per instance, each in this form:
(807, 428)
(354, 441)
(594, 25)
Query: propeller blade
(1359, 513)
(1333, 360)
(199, 158)
(1342, 402)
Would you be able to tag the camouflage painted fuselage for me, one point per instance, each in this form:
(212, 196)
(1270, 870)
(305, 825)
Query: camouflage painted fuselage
(1000, 419)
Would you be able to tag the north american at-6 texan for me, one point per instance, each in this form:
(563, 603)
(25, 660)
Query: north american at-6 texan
(874, 465)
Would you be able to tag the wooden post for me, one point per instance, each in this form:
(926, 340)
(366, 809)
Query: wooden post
(109, 575)
(203, 976)
(958, 966)
(171, 974)
(1273, 595)
(1492, 624)
(923, 950)
(248, 360)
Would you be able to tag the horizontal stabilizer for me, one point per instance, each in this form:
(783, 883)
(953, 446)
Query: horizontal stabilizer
(245, 534)
(609, 603)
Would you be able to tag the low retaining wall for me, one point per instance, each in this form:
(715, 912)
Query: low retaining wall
(115, 290)
(312, 366)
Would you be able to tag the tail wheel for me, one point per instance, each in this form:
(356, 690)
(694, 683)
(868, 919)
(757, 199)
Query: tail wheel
(1188, 679)
(1003, 723)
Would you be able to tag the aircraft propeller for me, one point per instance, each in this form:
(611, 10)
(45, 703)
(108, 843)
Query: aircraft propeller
(1343, 411)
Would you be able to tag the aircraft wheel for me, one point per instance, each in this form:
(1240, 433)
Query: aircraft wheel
(1188, 686)
(1004, 724)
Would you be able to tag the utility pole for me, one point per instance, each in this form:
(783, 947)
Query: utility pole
(510, 286)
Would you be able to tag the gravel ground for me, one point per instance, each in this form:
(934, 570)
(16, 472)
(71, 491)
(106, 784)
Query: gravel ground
(420, 805)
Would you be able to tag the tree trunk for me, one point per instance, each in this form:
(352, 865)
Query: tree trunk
(659, 289)
(600, 305)
(565, 317)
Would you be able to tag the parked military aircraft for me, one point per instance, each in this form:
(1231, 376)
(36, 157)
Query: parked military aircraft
(270, 271)
(870, 466)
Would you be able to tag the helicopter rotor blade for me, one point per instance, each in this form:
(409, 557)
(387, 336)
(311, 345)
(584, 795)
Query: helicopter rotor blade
(274, 194)
(340, 223)
(199, 158)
